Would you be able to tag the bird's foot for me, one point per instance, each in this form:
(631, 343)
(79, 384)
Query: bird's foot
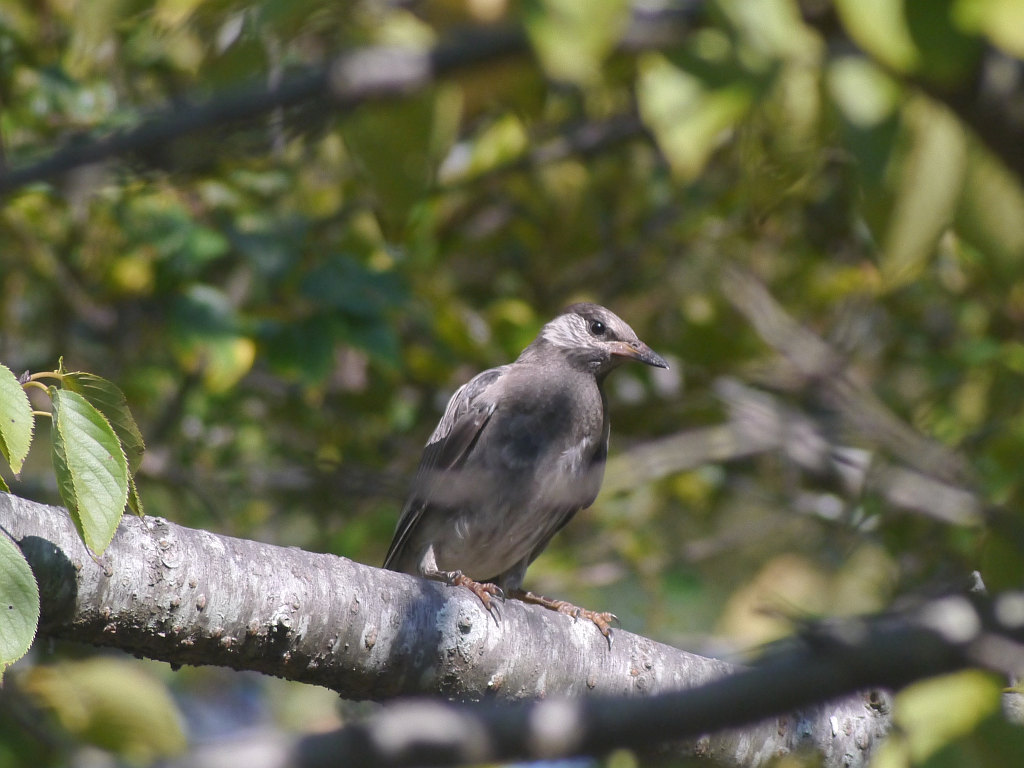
(602, 619)
(484, 590)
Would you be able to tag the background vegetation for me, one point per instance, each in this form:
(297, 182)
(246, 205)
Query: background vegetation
(288, 300)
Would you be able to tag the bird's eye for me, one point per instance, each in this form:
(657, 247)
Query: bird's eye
(597, 327)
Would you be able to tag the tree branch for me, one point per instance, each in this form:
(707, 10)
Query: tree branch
(809, 363)
(352, 79)
(187, 596)
(835, 658)
(760, 422)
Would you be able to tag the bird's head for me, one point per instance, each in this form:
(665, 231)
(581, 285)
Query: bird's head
(596, 338)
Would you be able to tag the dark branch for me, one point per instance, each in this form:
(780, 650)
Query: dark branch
(351, 80)
(834, 660)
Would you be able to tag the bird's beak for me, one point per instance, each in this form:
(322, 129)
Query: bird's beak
(638, 351)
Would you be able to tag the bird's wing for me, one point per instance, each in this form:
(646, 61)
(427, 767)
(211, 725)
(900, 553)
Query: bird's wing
(468, 411)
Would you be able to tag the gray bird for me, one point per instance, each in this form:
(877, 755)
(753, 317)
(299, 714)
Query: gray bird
(520, 449)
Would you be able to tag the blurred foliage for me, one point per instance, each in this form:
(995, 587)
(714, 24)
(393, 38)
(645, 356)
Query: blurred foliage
(288, 301)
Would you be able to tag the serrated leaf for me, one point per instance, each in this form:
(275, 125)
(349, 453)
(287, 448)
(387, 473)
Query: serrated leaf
(15, 420)
(19, 603)
(134, 502)
(92, 472)
(3, 486)
(111, 402)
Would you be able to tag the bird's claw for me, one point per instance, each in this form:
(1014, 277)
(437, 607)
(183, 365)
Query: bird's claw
(486, 591)
(601, 619)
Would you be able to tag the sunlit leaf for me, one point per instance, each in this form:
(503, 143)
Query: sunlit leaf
(687, 118)
(573, 38)
(111, 402)
(866, 96)
(92, 472)
(500, 143)
(880, 28)
(110, 703)
(19, 603)
(1001, 20)
(991, 209)
(929, 188)
(925, 716)
(16, 421)
(772, 28)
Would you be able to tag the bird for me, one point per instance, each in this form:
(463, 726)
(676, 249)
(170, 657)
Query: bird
(520, 449)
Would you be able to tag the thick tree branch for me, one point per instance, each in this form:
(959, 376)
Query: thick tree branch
(939, 636)
(192, 597)
(189, 596)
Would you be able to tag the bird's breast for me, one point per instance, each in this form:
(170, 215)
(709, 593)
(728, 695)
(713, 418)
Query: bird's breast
(538, 460)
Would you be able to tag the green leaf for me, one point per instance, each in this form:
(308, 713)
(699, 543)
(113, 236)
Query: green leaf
(499, 144)
(868, 100)
(865, 95)
(572, 38)
(134, 502)
(206, 336)
(19, 603)
(341, 283)
(92, 472)
(301, 350)
(1002, 21)
(991, 210)
(687, 117)
(998, 741)
(924, 715)
(15, 420)
(111, 402)
(880, 27)
(115, 704)
(929, 188)
(393, 146)
(948, 56)
(3, 486)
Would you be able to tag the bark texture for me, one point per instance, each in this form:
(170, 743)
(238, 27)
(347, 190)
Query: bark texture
(188, 596)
